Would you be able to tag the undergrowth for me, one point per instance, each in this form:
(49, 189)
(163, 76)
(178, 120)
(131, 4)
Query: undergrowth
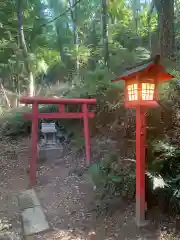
(111, 178)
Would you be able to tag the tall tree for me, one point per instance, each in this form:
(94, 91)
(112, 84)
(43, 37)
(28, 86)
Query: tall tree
(73, 12)
(165, 10)
(136, 9)
(23, 45)
(105, 31)
(62, 29)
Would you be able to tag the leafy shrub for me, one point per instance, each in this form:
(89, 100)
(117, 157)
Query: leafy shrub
(111, 178)
(164, 163)
(14, 124)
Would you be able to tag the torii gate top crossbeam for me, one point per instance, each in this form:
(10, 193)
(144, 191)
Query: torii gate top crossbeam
(44, 100)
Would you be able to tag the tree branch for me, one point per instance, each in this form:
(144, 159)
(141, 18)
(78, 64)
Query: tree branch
(149, 14)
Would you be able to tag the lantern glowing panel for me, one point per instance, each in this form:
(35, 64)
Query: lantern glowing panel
(140, 91)
(148, 91)
(132, 92)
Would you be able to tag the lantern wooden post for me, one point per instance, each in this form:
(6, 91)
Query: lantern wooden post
(140, 166)
(34, 138)
(86, 132)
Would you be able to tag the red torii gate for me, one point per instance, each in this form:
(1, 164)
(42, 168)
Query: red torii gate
(36, 115)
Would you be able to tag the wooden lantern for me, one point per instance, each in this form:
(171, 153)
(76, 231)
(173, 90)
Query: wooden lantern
(141, 93)
(141, 83)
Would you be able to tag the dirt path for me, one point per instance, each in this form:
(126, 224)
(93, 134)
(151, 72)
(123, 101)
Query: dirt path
(67, 197)
(13, 179)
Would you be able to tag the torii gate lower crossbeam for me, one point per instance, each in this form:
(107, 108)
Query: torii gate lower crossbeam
(61, 114)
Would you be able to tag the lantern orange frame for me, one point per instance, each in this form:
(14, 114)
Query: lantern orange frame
(150, 71)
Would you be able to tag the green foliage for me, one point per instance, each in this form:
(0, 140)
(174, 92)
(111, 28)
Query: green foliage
(13, 123)
(166, 162)
(50, 42)
(111, 179)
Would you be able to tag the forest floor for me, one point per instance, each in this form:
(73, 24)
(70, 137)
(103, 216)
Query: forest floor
(68, 200)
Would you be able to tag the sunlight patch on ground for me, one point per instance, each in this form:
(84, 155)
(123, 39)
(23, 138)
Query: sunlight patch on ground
(164, 235)
(70, 235)
(65, 235)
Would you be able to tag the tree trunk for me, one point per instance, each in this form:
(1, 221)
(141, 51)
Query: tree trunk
(60, 44)
(75, 31)
(136, 9)
(93, 44)
(149, 16)
(105, 31)
(24, 47)
(5, 95)
(165, 9)
(17, 90)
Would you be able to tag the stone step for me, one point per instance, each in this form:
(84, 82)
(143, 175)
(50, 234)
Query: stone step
(33, 218)
(34, 221)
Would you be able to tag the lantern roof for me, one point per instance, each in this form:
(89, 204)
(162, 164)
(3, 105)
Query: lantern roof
(151, 67)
